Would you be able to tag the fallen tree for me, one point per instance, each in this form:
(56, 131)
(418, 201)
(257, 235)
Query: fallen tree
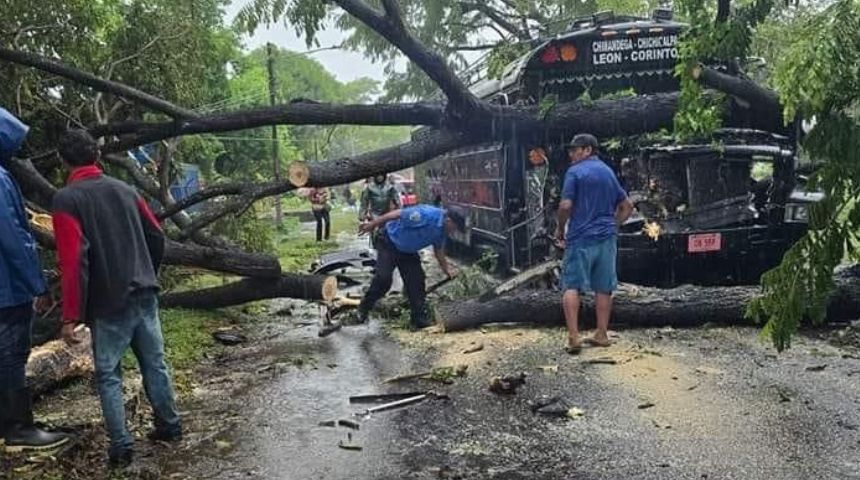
(635, 306)
(310, 287)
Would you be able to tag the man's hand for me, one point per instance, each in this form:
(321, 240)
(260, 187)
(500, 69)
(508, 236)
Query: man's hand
(69, 334)
(43, 304)
(366, 227)
(558, 238)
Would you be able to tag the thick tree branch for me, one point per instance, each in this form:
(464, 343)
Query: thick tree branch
(335, 172)
(459, 96)
(763, 105)
(310, 287)
(296, 113)
(94, 82)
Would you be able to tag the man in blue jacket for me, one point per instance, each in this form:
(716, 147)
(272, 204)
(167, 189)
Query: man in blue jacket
(406, 232)
(20, 282)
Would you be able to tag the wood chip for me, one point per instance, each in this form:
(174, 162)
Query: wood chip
(602, 361)
(474, 348)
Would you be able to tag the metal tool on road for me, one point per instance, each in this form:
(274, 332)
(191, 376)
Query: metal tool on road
(402, 403)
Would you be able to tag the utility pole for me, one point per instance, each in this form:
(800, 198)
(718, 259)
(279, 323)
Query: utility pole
(276, 162)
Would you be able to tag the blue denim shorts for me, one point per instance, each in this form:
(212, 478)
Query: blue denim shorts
(590, 266)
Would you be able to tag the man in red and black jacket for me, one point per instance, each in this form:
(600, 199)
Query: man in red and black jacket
(109, 247)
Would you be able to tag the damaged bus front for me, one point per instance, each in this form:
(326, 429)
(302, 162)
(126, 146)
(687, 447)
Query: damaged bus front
(720, 211)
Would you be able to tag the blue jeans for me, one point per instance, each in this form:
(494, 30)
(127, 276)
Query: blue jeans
(15, 325)
(136, 326)
(590, 266)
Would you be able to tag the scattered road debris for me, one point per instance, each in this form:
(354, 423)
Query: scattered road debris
(349, 444)
(474, 348)
(816, 368)
(396, 404)
(645, 405)
(439, 374)
(507, 385)
(548, 368)
(328, 423)
(575, 412)
(783, 397)
(344, 422)
(229, 336)
(550, 406)
(383, 397)
(602, 361)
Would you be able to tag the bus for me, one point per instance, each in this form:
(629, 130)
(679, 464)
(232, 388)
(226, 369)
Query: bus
(717, 212)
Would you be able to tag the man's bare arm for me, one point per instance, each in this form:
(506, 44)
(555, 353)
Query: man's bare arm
(623, 211)
(368, 227)
(439, 253)
(563, 215)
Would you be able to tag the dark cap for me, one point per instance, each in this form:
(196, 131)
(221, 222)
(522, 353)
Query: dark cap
(458, 216)
(584, 140)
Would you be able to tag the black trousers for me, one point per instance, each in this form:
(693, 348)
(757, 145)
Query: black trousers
(323, 216)
(409, 264)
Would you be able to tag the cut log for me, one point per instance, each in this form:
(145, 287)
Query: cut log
(309, 287)
(298, 174)
(56, 361)
(634, 306)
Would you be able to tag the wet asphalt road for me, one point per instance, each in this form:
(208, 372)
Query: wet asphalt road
(724, 407)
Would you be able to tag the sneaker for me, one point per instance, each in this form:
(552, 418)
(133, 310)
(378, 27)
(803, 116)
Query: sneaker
(165, 435)
(121, 459)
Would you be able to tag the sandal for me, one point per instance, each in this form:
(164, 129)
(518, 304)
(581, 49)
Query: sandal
(596, 343)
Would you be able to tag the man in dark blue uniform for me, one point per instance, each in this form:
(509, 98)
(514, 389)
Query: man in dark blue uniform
(405, 232)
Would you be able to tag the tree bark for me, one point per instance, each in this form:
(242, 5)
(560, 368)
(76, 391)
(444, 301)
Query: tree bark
(219, 260)
(309, 287)
(296, 113)
(634, 306)
(55, 362)
(762, 103)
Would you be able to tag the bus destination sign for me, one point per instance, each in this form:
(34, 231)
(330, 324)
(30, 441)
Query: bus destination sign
(634, 50)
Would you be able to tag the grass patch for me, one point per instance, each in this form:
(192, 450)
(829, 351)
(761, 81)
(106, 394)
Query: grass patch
(298, 248)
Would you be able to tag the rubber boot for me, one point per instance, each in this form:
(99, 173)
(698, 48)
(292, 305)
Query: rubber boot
(19, 431)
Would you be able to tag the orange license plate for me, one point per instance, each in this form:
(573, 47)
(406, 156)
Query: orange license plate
(704, 242)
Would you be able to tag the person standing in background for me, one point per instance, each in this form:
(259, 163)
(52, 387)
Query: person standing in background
(377, 199)
(319, 198)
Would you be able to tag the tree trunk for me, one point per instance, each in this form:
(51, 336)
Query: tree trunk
(219, 260)
(684, 306)
(54, 362)
(309, 287)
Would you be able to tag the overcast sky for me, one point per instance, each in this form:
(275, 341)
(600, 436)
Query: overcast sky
(345, 65)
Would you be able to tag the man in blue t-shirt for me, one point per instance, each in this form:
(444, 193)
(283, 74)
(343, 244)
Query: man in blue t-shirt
(593, 205)
(405, 233)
